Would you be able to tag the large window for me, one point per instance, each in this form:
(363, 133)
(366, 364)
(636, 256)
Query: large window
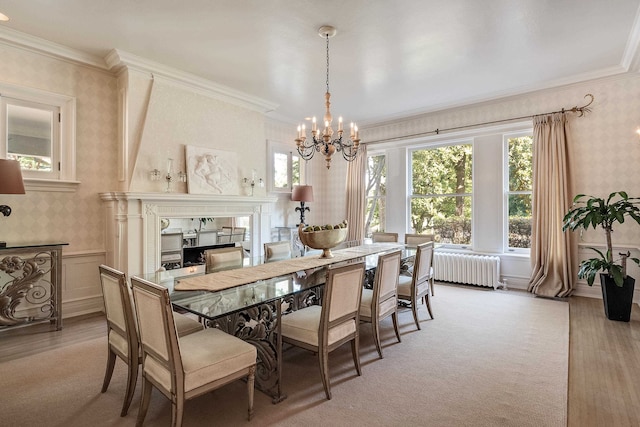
(376, 194)
(285, 168)
(441, 191)
(518, 191)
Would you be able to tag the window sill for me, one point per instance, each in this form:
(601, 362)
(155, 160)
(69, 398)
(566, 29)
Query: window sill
(35, 184)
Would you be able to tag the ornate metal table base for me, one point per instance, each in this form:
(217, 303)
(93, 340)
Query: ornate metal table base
(259, 325)
(30, 290)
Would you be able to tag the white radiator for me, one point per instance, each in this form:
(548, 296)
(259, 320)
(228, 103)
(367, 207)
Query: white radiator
(472, 269)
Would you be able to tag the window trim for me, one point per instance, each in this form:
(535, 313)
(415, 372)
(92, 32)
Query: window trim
(66, 181)
(506, 193)
(274, 147)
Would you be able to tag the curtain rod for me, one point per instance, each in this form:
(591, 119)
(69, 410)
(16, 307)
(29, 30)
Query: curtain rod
(580, 110)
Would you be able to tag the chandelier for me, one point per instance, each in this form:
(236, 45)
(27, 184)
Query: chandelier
(322, 141)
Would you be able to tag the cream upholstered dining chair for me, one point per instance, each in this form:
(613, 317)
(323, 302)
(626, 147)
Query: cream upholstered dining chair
(223, 259)
(206, 237)
(384, 237)
(416, 239)
(122, 329)
(382, 301)
(182, 368)
(238, 234)
(171, 249)
(323, 329)
(416, 287)
(275, 251)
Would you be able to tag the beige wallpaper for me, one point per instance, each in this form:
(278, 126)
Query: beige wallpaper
(76, 218)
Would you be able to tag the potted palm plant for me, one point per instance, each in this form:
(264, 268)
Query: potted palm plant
(617, 287)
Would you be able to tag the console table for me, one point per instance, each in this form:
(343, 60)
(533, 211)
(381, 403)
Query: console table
(31, 285)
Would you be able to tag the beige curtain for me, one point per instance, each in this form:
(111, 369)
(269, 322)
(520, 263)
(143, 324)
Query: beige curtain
(552, 250)
(356, 199)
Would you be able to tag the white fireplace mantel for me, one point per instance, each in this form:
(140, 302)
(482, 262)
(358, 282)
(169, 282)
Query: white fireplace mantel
(133, 222)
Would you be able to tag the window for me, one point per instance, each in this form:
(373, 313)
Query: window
(519, 191)
(32, 137)
(376, 181)
(37, 128)
(285, 168)
(441, 191)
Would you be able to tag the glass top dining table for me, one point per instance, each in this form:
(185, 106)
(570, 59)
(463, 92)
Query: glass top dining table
(252, 311)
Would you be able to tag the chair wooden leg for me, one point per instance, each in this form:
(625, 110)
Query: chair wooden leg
(323, 359)
(111, 362)
(355, 351)
(144, 401)
(394, 317)
(428, 300)
(251, 388)
(431, 285)
(177, 409)
(414, 310)
(132, 378)
(375, 325)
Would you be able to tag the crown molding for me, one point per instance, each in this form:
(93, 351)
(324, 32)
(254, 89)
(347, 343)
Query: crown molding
(631, 56)
(117, 60)
(39, 45)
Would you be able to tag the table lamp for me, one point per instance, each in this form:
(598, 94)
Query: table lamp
(302, 194)
(10, 183)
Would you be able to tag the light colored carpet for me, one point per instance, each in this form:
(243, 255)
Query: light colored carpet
(490, 358)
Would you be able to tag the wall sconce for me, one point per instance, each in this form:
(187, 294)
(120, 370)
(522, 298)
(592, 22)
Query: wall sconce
(246, 182)
(302, 194)
(169, 177)
(10, 183)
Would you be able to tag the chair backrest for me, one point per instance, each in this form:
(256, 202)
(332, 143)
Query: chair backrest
(341, 298)
(171, 242)
(385, 282)
(384, 237)
(118, 308)
(158, 337)
(275, 251)
(225, 234)
(422, 264)
(238, 234)
(416, 239)
(207, 237)
(223, 259)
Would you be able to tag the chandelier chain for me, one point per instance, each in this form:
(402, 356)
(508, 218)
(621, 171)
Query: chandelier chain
(327, 62)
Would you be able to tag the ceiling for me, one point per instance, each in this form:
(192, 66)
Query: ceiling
(389, 58)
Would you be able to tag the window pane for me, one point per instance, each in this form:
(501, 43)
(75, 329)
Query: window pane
(442, 170)
(448, 217)
(29, 137)
(375, 216)
(376, 177)
(520, 220)
(280, 179)
(295, 164)
(520, 158)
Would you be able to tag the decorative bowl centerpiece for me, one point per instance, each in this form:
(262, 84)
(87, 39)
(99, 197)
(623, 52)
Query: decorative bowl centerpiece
(323, 237)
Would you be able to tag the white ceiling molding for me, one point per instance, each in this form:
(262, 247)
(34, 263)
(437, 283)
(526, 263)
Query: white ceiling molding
(36, 44)
(117, 59)
(631, 56)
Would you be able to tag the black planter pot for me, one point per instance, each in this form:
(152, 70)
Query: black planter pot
(617, 300)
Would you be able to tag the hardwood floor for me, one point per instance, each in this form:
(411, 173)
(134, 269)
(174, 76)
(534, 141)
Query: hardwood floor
(604, 359)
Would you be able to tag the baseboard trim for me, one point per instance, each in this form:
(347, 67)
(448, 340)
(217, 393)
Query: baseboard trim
(82, 306)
